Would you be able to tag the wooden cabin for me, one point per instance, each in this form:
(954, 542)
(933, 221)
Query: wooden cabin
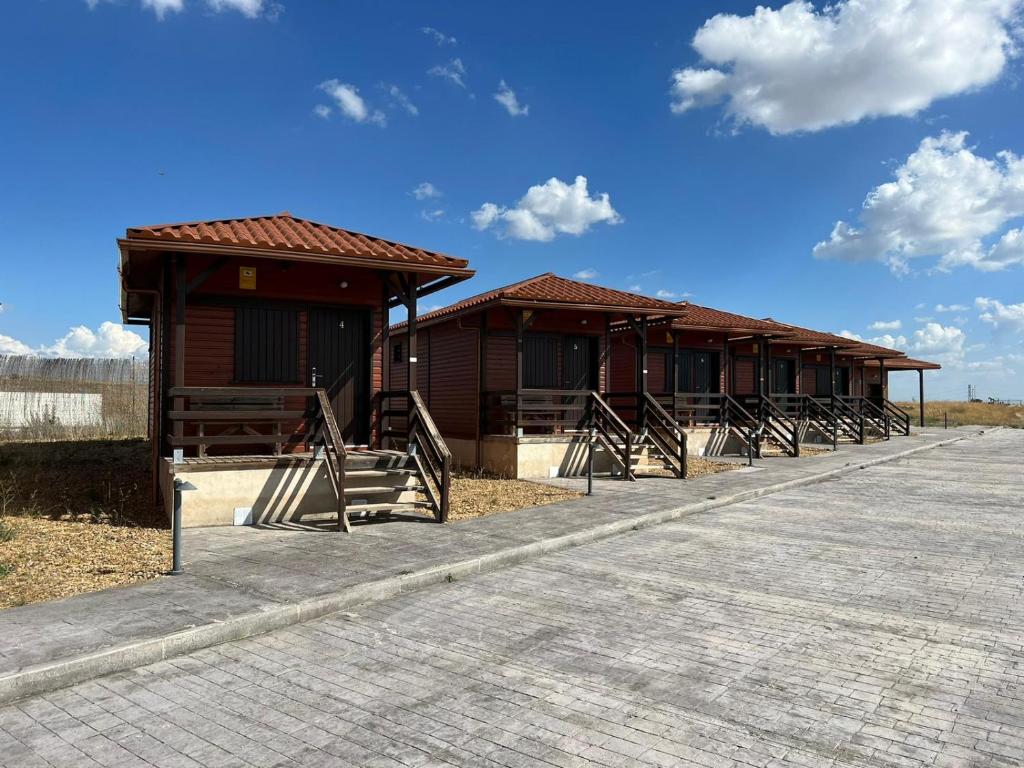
(516, 377)
(267, 340)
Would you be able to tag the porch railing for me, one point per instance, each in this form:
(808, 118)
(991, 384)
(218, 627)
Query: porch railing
(406, 420)
(326, 432)
(246, 416)
(666, 435)
(900, 419)
(559, 412)
(873, 416)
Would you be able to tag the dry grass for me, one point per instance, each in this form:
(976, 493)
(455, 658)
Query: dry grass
(960, 413)
(478, 495)
(76, 516)
(48, 559)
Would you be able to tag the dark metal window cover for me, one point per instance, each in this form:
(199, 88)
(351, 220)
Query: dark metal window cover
(266, 345)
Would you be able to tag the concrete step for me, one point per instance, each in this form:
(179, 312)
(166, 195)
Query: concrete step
(379, 490)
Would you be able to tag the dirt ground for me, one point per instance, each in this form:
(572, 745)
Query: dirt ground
(48, 559)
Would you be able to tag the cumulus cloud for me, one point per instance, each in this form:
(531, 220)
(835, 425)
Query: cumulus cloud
(802, 69)
(943, 343)
(547, 210)
(586, 274)
(435, 214)
(453, 71)
(945, 201)
(425, 191)
(322, 111)
(1000, 315)
(438, 36)
(507, 98)
(11, 346)
(109, 340)
(249, 8)
(951, 308)
(886, 325)
(351, 104)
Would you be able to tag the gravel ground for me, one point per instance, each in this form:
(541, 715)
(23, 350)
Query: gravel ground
(48, 559)
(478, 495)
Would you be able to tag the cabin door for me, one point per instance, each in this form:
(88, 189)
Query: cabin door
(578, 369)
(339, 355)
(783, 376)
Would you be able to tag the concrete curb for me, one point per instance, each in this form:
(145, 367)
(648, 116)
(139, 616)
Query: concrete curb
(50, 676)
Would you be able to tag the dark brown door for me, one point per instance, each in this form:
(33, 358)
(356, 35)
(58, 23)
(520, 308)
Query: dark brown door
(578, 358)
(783, 376)
(339, 355)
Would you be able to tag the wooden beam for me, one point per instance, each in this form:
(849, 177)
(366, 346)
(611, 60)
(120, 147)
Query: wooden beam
(881, 378)
(520, 328)
(607, 353)
(410, 307)
(832, 371)
(481, 400)
(196, 282)
(385, 358)
(429, 288)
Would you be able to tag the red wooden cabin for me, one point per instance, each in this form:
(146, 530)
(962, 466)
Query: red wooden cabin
(266, 351)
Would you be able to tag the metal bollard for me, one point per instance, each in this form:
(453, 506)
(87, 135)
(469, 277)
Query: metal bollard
(590, 466)
(179, 486)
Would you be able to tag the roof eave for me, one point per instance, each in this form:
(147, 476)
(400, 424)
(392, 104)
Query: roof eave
(460, 268)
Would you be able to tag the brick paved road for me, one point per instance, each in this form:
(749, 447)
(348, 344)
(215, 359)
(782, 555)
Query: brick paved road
(875, 620)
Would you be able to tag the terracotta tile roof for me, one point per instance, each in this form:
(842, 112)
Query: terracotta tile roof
(284, 232)
(696, 316)
(550, 289)
(905, 363)
(848, 346)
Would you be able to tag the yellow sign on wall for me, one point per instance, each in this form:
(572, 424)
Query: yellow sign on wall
(247, 278)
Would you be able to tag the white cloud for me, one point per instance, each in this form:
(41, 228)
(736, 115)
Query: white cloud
(548, 209)
(944, 202)
(586, 274)
(663, 294)
(886, 325)
(507, 98)
(951, 308)
(439, 37)
(109, 340)
(802, 69)
(162, 7)
(425, 191)
(249, 8)
(432, 215)
(11, 346)
(351, 104)
(454, 71)
(884, 340)
(402, 101)
(322, 111)
(1000, 315)
(943, 343)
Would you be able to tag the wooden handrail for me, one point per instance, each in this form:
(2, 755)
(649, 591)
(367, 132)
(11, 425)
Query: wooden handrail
(335, 452)
(431, 455)
(669, 425)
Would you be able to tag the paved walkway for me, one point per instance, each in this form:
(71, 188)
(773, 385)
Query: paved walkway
(874, 620)
(262, 574)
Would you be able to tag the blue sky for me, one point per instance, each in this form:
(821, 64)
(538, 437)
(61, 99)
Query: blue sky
(728, 146)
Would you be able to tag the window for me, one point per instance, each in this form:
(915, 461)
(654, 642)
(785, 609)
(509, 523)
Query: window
(266, 345)
(396, 351)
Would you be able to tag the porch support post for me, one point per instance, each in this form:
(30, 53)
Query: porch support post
(642, 350)
(832, 372)
(863, 389)
(881, 378)
(385, 357)
(675, 364)
(180, 291)
(920, 398)
(761, 373)
(724, 365)
(769, 384)
(607, 354)
(520, 324)
(409, 283)
(482, 388)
